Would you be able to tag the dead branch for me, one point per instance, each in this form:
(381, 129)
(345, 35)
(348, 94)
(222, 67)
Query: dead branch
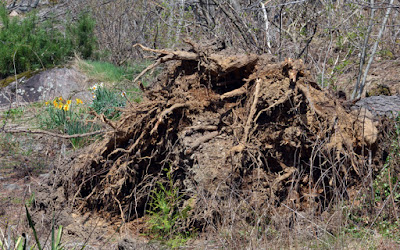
(152, 66)
(192, 129)
(201, 140)
(289, 171)
(236, 92)
(166, 112)
(253, 110)
(167, 56)
(279, 102)
(307, 94)
(38, 131)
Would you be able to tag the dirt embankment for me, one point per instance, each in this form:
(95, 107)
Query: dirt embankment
(226, 125)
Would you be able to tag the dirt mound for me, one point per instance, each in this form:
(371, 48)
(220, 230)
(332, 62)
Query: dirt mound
(225, 125)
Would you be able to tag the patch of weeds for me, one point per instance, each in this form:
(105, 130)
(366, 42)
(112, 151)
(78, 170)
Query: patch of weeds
(8, 143)
(389, 229)
(382, 185)
(14, 113)
(168, 218)
(386, 54)
(386, 180)
(387, 189)
(68, 117)
(107, 101)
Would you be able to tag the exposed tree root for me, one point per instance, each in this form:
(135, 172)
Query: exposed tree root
(214, 119)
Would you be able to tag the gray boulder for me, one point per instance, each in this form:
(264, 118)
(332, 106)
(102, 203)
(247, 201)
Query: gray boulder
(47, 85)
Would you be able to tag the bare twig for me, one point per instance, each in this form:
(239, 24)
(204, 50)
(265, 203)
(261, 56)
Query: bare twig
(166, 112)
(359, 91)
(253, 110)
(38, 131)
(199, 141)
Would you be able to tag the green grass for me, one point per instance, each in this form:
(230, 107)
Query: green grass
(108, 72)
(121, 77)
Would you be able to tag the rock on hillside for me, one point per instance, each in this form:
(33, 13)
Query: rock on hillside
(47, 85)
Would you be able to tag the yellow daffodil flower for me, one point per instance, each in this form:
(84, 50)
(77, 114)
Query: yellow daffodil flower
(46, 103)
(60, 98)
(79, 101)
(60, 106)
(69, 102)
(66, 107)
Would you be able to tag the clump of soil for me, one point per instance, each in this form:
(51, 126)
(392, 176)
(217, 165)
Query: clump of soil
(226, 125)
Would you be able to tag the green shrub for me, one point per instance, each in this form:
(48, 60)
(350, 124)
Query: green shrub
(167, 217)
(107, 101)
(32, 45)
(82, 34)
(14, 113)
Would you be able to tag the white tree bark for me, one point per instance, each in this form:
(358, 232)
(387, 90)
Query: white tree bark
(267, 35)
(371, 59)
(364, 50)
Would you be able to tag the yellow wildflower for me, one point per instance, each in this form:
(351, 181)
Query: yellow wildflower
(60, 106)
(79, 101)
(55, 103)
(69, 102)
(46, 103)
(60, 98)
(66, 107)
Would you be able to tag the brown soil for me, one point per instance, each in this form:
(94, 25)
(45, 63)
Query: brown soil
(226, 125)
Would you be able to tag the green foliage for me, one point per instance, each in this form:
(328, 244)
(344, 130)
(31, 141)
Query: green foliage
(386, 180)
(82, 34)
(167, 217)
(29, 44)
(32, 226)
(32, 45)
(14, 113)
(107, 101)
(386, 54)
(382, 185)
(69, 118)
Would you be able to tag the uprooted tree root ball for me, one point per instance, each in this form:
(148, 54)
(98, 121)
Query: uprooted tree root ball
(227, 126)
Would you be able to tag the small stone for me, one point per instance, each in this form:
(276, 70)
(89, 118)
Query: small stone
(14, 13)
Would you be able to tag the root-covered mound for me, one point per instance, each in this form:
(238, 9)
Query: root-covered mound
(226, 125)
